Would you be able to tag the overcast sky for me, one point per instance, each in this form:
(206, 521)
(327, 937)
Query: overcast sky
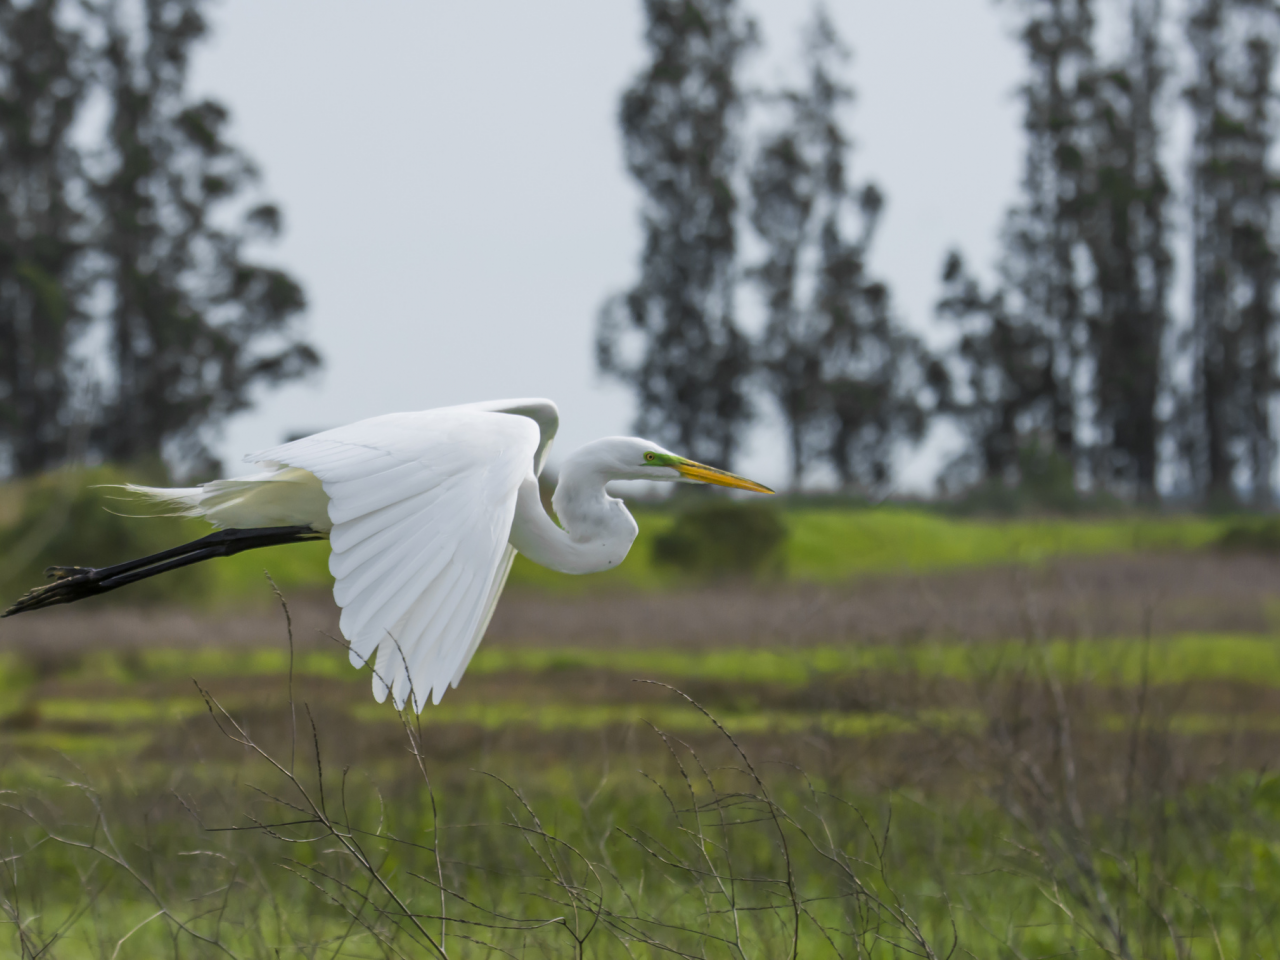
(457, 209)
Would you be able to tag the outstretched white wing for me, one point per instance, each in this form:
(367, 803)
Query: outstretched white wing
(545, 414)
(422, 505)
(542, 412)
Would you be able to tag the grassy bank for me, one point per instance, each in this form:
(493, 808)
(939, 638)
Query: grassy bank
(823, 546)
(1094, 799)
(828, 545)
(1024, 772)
(625, 867)
(71, 518)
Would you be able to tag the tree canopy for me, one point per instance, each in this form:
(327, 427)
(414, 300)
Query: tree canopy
(142, 232)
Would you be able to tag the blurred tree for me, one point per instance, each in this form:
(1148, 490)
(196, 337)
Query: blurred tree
(41, 231)
(876, 376)
(1255, 243)
(1227, 423)
(783, 185)
(1018, 358)
(1042, 236)
(1124, 215)
(679, 119)
(1005, 382)
(844, 374)
(195, 326)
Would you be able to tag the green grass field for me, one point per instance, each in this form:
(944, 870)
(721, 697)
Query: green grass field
(119, 692)
(824, 546)
(66, 520)
(1022, 796)
(626, 818)
(833, 544)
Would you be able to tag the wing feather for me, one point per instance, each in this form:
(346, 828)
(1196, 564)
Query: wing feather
(491, 604)
(388, 570)
(389, 517)
(383, 533)
(474, 612)
(367, 495)
(407, 641)
(398, 581)
(385, 600)
(422, 506)
(443, 617)
(392, 646)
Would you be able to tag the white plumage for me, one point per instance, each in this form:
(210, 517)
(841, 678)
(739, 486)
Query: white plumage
(425, 512)
(421, 506)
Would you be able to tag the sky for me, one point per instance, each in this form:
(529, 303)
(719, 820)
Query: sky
(457, 208)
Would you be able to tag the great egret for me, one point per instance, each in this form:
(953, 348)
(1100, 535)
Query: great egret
(424, 513)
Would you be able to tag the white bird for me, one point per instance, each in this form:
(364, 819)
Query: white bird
(424, 513)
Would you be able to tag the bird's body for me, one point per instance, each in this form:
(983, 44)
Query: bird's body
(424, 512)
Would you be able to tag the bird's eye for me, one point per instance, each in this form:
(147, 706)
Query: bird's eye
(649, 457)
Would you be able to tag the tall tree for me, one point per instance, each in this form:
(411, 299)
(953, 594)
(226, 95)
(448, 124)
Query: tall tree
(1124, 214)
(783, 185)
(1255, 242)
(1022, 349)
(1234, 272)
(1006, 377)
(679, 124)
(876, 375)
(1043, 233)
(195, 324)
(41, 89)
(843, 372)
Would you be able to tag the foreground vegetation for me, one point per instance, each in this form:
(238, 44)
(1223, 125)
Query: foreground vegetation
(1020, 798)
(708, 854)
(1058, 769)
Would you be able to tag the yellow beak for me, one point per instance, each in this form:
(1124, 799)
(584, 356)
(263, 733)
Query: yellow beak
(705, 474)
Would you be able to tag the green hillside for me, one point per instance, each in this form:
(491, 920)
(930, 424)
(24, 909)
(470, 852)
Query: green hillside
(73, 518)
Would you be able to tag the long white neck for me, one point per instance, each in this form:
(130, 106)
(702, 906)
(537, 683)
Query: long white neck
(598, 529)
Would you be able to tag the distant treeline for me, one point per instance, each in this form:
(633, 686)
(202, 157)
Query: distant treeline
(131, 317)
(1074, 365)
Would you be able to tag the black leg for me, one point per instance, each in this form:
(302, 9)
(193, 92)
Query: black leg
(76, 583)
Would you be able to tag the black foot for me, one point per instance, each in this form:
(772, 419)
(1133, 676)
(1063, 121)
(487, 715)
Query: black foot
(70, 584)
(59, 573)
(76, 583)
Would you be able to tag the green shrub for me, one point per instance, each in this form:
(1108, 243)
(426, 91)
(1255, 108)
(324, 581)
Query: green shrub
(1252, 536)
(724, 538)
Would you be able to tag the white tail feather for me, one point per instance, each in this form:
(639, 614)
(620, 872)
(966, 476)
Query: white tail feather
(282, 497)
(177, 501)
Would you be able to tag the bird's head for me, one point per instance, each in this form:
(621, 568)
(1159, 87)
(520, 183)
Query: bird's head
(633, 458)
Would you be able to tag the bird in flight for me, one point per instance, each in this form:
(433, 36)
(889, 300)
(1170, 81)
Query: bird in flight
(424, 513)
